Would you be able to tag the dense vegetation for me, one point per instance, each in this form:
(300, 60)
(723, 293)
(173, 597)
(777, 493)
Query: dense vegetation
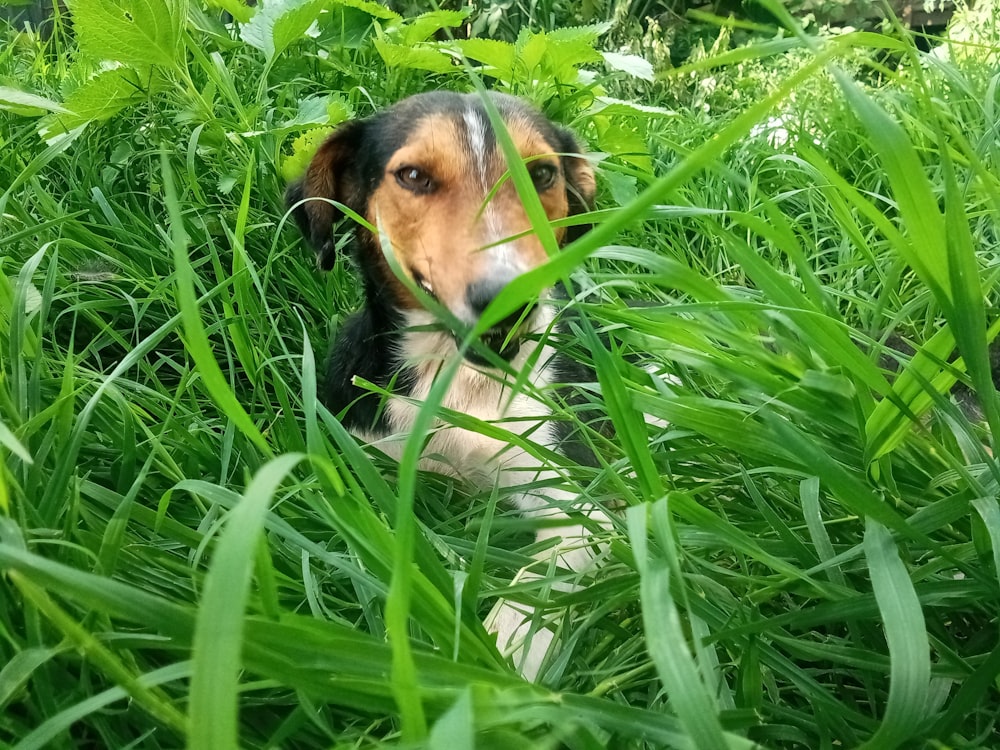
(194, 551)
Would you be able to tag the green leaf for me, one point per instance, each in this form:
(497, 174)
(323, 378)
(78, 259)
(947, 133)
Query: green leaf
(422, 57)
(625, 141)
(101, 97)
(373, 9)
(23, 103)
(303, 149)
(238, 9)
(133, 32)
(587, 34)
(623, 187)
(423, 27)
(346, 28)
(491, 52)
(635, 66)
(610, 107)
(279, 23)
(312, 111)
(456, 729)
(557, 54)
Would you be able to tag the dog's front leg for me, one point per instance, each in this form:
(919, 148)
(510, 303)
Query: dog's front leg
(522, 632)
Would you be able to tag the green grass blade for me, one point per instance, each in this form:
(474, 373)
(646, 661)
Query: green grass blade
(924, 248)
(989, 511)
(809, 495)
(629, 424)
(675, 665)
(218, 638)
(49, 731)
(968, 295)
(103, 658)
(196, 338)
(604, 233)
(970, 695)
(906, 635)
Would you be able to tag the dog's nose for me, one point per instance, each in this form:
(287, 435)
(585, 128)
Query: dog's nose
(480, 294)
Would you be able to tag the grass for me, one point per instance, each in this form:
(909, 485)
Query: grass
(195, 551)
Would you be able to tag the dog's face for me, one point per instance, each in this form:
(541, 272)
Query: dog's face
(430, 175)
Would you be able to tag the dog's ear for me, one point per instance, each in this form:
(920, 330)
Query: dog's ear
(333, 175)
(580, 182)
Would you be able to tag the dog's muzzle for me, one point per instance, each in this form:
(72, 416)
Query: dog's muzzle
(505, 338)
(499, 340)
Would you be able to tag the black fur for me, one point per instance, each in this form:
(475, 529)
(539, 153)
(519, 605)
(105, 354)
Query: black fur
(366, 347)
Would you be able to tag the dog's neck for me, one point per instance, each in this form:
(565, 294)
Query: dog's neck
(508, 399)
(425, 346)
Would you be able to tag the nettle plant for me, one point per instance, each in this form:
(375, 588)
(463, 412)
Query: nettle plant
(201, 68)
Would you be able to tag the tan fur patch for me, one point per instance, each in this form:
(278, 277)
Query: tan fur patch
(450, 237)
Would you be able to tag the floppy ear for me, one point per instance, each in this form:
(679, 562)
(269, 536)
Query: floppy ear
(333, 175)
(580, 183)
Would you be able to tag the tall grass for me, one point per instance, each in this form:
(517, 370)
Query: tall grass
(196, 552)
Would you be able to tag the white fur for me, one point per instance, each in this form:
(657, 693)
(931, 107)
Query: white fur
(475, 130)
(488, 461)
(503, 254)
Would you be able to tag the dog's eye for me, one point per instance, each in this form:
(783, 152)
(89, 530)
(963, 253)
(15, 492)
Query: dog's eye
(423, 283)
(415, 180)
(543, 175)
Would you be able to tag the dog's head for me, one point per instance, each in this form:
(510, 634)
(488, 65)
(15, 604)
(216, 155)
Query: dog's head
(429, 174)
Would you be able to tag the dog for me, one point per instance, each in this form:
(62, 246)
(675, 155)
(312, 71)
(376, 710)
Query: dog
(430, 177)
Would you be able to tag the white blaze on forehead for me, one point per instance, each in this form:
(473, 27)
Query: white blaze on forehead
(475, 122)
(475, 130)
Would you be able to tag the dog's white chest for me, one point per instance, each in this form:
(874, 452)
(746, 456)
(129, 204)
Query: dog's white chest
(468, 453)
(452, 449)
